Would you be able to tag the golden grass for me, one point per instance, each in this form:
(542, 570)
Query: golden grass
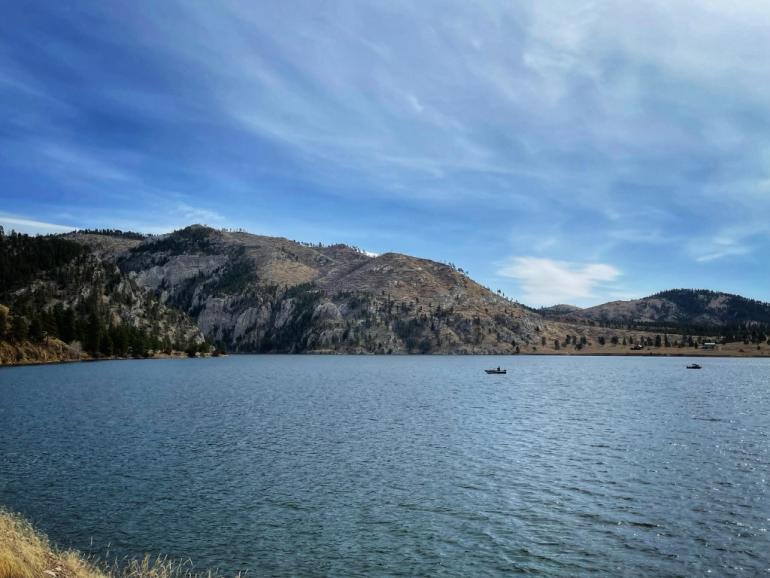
(26, 553)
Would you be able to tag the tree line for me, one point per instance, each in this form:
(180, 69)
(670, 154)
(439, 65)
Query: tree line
(40, 314)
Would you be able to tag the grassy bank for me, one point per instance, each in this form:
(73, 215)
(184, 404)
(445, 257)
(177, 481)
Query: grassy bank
(26, 352)
(54, 351)
(26, 553)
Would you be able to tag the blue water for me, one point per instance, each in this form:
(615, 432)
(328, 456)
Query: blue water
(405, 466)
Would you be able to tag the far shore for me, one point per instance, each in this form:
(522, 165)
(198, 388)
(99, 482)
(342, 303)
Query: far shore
(175, 355)
(586, 352)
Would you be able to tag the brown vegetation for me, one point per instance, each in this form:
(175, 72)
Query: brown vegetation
(26, 553)
(50, 351)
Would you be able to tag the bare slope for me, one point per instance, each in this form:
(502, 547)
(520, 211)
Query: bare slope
(254, 293)
(257, 293)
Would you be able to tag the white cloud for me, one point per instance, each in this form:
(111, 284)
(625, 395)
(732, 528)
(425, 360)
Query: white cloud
(199, 215)
(30, 226)
(598, 124)
(548, 282)
(726, 252)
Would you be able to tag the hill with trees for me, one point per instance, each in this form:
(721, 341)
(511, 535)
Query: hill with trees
(253, 293)
(106, 292)
(58, 300)
(726, 316)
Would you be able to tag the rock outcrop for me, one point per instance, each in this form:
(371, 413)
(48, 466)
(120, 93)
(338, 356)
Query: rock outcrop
(259, 294)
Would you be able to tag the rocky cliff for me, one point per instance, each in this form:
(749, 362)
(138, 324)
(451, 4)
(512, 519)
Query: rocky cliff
(252, 293)
(63, 300)
(112, 293)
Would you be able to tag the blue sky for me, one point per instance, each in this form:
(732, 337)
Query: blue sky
(562, 151)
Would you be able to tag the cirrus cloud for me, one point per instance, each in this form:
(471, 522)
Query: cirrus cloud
(32, 226)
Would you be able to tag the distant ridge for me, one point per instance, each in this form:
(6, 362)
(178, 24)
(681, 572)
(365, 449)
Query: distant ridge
(561, 309)
(674, 307)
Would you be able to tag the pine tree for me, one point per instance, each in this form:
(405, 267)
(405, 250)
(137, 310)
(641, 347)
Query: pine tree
(106, 345)
(66, 326)
(19, 329)
(3, 317)
(50, 326)
(93, 334)
(36, 329)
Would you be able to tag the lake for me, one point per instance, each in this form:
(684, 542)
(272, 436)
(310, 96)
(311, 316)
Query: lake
(409, 466)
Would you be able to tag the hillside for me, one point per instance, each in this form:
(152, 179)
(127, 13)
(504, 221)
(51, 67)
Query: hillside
(724, 317)
(254, 293)
(559, 310)
(109, 293)
(61, 300)
(675, 308)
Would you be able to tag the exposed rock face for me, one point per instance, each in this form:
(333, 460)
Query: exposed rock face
(94, 282)
(178, 270)
(255, 293)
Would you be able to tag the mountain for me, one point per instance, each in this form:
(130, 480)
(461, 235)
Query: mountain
(558, 310)
(674, 308)
(253, 293)
(60, 299)
(106, 292)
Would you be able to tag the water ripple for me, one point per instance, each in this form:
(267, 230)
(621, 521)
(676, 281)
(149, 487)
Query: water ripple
(346, 466)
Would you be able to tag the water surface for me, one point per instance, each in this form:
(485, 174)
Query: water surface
(398, 465)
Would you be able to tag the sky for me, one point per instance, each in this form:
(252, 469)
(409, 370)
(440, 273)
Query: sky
(560, 151)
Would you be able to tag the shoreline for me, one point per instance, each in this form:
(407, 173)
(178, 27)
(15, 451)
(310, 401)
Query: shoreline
(642, 354)
(181, 355)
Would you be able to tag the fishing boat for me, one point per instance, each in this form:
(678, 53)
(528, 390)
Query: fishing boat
(497, 371)
(693, 366)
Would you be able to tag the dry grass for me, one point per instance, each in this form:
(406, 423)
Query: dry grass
(26, 553)
(27, 352)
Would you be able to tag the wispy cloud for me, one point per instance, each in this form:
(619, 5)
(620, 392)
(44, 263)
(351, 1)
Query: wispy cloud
(730, 241)
(564, 130)
(548, 282)
(726, 251)
(201, 215)
(31, 226)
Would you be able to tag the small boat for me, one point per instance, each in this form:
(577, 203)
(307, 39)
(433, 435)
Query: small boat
(693, 366)
(497, 371)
